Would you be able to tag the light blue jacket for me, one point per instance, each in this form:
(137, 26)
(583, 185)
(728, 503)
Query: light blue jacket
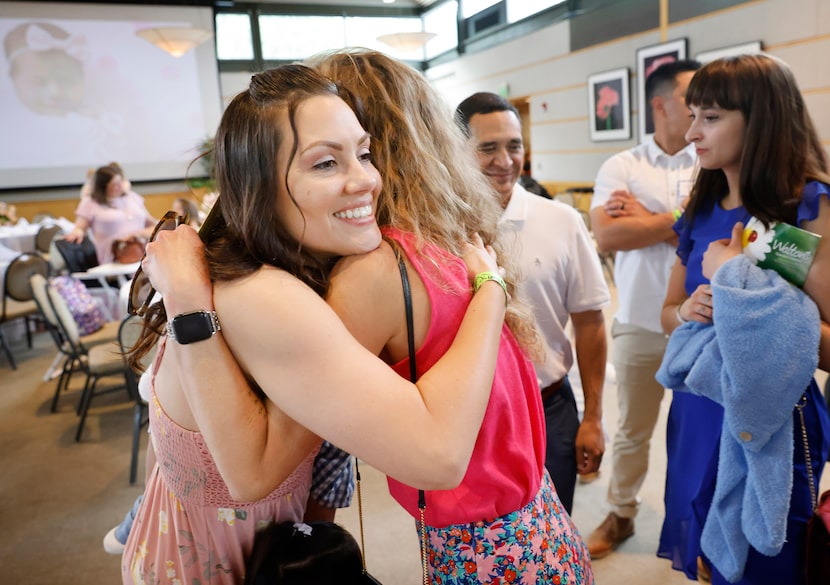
(755, 360)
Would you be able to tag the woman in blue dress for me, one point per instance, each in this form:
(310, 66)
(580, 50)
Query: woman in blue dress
(760, 157)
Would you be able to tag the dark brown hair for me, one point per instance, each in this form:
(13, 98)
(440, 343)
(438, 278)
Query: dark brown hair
(249, 233)
(781, 149)
(100, 180)
(483, 102)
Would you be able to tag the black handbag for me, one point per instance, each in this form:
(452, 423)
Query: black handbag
(77, 257)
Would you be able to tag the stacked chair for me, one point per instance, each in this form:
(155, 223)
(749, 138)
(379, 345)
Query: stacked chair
(44, 237)
(127, 336)
(17, 296)
(98, 354)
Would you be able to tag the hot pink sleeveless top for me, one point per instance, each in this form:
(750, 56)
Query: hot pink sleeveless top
(507, 464)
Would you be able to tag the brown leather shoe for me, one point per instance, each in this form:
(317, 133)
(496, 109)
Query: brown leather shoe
(609, 535)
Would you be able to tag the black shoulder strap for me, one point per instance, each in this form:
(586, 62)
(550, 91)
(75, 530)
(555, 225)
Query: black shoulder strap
(410, 326)
(413, 376)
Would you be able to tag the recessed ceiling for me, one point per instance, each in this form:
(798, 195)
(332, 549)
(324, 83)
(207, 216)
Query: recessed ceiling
(371, 3)
(332, 3)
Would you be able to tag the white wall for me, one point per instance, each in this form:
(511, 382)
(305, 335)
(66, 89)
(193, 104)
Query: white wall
(539, 66)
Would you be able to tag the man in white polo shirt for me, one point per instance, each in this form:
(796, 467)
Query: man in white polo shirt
(561, 279)
(637, 199)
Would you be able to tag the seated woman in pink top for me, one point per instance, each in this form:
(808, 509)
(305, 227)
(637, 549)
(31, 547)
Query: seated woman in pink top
(501, 521)
(111, 213)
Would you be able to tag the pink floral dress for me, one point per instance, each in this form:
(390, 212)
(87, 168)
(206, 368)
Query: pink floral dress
(189, 530)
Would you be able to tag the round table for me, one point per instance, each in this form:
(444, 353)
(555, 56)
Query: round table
(19, 238)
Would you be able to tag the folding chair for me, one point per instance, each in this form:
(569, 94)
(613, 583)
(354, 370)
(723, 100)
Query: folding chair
(107, 334)
(17, 296)
(97, 362)
(44, 237)
(128, 334)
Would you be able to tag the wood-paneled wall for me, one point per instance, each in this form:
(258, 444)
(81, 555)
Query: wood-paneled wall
(157, 204)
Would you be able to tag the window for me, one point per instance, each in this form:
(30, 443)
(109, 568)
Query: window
(286, 38)
(299, 37)
(491, 17)
(442, 21)
(293, 37)
(472, 7)
(364, 32)
(233, 36)
(519, 9)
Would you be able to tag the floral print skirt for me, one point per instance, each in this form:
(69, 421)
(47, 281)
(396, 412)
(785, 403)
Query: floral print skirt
(536, 544)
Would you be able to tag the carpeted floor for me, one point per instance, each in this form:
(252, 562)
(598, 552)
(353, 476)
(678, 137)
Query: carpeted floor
(58, 498)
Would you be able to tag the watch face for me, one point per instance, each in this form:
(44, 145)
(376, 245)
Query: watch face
(192, 327)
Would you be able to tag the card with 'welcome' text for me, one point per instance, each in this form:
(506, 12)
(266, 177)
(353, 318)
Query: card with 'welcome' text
(787, 249)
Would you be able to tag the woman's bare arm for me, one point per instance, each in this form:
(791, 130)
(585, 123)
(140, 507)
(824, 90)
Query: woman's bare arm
(675, 296)
(309, 365)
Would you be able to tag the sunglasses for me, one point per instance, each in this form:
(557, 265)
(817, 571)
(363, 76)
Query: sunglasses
(141, 291)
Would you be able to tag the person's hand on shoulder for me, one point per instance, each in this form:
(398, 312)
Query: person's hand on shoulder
(482, 265)
(479, 258)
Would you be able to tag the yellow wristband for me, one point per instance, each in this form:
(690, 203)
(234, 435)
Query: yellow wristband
(676, 214)
(483, 277)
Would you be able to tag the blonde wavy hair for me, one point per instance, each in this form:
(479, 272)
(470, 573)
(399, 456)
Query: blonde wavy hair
(433, 186)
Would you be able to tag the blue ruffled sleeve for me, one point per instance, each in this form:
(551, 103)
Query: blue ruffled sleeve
(810, 197)
(683, 229)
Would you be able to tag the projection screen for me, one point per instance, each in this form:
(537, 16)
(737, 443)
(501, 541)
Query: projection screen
(79, 88)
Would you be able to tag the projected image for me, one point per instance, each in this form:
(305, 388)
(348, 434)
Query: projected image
(75, 93)
(46, 68)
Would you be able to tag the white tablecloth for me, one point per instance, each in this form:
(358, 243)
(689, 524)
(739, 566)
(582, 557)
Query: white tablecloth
(18, 238)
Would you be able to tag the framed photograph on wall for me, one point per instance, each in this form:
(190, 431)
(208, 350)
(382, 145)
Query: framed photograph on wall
(609, 105)
(752, 48)
(649, 59)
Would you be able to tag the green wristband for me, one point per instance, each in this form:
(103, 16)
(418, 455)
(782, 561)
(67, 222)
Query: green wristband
(676, 214)
(483, 277)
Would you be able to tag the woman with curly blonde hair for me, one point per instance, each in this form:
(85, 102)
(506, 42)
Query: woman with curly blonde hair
(432, 186)
(433, 197)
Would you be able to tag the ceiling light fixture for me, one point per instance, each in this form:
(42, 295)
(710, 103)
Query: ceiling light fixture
(407, 42)
(175, 40)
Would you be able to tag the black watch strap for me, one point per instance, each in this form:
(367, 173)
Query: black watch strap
(192, 327)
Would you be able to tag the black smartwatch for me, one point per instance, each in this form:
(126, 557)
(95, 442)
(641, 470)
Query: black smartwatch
(192, 327)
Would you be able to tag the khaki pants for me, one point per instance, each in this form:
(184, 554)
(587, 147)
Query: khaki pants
(637, 354)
